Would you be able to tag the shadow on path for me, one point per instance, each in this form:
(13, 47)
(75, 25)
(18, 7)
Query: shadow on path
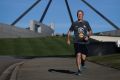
(61, 71)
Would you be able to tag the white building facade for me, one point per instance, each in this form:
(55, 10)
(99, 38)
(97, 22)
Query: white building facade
(43, 29)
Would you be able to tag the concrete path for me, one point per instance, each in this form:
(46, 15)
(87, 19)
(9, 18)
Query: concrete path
(6, 61)
(63, 69)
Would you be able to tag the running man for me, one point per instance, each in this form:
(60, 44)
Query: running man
(82, 32)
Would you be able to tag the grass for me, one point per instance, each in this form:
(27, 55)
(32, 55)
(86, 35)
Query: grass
(47, 46)
(108, 60)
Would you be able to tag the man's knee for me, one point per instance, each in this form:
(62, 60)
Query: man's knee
(83, 56)
(78, 55)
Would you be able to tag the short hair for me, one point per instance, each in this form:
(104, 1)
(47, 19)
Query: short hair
(80, 11)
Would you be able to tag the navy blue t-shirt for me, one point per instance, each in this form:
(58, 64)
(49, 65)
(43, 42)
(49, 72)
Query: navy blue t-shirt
(80, 30)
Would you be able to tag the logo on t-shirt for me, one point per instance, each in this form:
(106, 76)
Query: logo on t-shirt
(82, 32)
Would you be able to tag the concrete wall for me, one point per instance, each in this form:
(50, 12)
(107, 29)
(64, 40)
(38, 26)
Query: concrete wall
(110, 33)
(106, 38)
(46, 30)
(102, 48)
(8, 31)
(43, 29)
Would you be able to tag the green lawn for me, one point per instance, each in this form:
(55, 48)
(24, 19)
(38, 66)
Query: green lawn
(47, 46)
(108, 60)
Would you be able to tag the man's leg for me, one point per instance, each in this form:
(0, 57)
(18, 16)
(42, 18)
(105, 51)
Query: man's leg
(83, 55)
(78, 63)
(78, 60)
(83, 60)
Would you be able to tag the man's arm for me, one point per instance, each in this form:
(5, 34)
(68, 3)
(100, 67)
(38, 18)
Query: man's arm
(90, 33)
(89, 29)
(69, 33)
(68, 37)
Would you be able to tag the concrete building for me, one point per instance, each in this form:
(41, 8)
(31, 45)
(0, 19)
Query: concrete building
(8, 31)
(109, 33)
(43, 29)
(36, 30)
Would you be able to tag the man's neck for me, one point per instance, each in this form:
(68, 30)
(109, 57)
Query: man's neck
(80, 20)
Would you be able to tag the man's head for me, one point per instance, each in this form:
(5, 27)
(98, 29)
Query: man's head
(80, 15)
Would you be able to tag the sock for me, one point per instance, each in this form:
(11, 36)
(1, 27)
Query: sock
(79, 68)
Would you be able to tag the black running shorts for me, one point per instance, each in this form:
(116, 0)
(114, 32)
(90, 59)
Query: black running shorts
(80, 48)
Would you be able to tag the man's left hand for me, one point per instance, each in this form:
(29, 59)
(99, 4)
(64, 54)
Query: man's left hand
(86, 38)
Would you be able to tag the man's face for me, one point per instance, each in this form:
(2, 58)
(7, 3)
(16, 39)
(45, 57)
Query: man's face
(80, 15)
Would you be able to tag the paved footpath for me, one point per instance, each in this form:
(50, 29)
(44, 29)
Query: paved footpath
(6, 61)
(63, 69)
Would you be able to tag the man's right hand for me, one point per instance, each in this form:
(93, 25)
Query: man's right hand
(68, 42)
(68, 38)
